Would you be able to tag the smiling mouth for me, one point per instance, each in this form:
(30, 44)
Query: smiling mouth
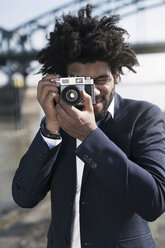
(99, 100)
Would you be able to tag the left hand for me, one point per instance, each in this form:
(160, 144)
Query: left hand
(78, 124)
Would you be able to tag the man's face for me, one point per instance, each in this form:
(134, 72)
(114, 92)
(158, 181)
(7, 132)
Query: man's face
(104, 83)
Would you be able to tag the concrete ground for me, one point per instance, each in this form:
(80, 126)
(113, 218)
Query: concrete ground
(25, 228)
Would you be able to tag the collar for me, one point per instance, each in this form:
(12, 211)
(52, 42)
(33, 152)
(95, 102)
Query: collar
(111, 107)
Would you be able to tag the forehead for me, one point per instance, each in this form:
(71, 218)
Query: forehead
(92, 70)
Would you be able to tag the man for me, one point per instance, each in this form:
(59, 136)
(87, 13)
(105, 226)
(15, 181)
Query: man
(104, 164)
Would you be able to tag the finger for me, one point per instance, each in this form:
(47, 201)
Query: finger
(69, 109)
(50, 100)
(87, 101)
(51, 76)
(48, 84)
(62, 115)
(43, 91)
(44, 82)
(48, 79)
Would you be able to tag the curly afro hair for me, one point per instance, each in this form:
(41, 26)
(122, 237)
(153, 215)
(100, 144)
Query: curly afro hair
(86, 39)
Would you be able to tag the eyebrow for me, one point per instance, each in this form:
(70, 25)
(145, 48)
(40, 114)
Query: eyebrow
(102, 76)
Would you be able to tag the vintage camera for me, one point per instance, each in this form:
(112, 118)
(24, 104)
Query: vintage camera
(70, 89)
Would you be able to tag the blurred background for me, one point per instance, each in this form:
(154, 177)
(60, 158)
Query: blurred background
(24, 28)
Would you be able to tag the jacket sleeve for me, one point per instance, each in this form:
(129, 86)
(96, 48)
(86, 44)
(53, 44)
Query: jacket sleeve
(32, 178)
(140, 181)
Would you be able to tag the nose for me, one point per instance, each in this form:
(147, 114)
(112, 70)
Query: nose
(96, 91)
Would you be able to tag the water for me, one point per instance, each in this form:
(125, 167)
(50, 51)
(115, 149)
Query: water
(13, 144)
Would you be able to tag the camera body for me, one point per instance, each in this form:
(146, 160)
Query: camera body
(70, 89)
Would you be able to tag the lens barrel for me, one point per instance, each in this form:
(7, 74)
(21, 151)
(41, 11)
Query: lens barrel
(71, 95)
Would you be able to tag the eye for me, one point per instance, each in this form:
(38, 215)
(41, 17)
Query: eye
(101, 81)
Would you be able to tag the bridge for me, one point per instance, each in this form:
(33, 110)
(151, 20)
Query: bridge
(19, 46)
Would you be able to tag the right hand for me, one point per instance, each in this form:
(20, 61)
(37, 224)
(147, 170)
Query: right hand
(47, 95)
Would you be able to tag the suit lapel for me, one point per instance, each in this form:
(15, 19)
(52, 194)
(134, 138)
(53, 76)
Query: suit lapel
(86, 173)
(105, 126)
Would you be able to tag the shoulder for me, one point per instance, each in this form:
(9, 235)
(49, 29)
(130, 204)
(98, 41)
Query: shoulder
(132, 114)
(131, 107)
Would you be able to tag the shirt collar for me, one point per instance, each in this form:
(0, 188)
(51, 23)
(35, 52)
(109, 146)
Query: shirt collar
(111, 107)
(110, 110)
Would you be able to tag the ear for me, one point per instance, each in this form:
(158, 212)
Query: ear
(116, 77)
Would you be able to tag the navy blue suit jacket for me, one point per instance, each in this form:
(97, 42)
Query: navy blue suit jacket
(123, 183)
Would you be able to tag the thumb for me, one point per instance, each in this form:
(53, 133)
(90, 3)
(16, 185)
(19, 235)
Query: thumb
(87, 101)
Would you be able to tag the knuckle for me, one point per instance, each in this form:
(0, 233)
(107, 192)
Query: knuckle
(45, 77)
(88, 96)
(44, 103)
(40, 82)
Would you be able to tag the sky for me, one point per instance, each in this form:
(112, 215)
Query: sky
(147, 26)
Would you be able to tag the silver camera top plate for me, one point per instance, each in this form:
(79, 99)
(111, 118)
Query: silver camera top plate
(73, 80)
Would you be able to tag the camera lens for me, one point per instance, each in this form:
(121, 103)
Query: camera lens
(71, 95)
